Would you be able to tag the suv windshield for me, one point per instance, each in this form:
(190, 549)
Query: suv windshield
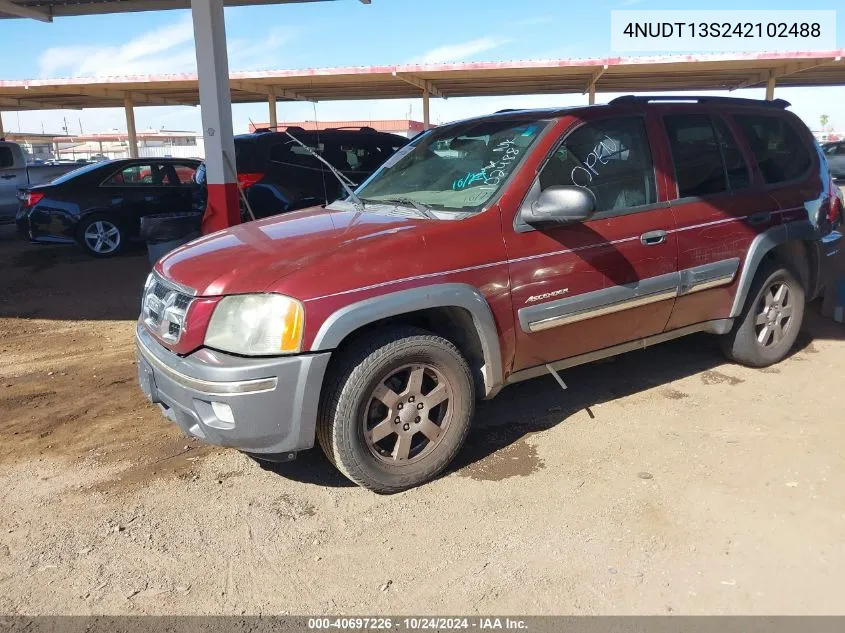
(456, 167)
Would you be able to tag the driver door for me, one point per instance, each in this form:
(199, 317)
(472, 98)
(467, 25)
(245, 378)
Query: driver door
(611, 279)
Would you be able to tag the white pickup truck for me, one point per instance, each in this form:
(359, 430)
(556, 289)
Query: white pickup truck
(15, 176)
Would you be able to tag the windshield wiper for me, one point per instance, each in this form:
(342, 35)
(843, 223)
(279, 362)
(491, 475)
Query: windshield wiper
(424, 210)
(343, 180)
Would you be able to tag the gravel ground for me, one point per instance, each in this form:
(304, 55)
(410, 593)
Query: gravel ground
(663, 481)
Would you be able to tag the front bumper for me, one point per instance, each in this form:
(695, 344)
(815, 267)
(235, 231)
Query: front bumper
(273, 400)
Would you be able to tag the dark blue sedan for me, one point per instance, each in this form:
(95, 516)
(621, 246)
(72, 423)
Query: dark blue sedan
(100, 206)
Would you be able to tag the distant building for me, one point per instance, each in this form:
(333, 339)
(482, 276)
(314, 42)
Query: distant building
(403, 127)
(151, 144)
(37, 147)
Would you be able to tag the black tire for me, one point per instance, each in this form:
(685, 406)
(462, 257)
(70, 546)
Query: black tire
(348, 406)
(109, 223)
(743, 343)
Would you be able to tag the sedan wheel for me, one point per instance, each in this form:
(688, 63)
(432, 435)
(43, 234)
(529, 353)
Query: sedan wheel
(102, 237)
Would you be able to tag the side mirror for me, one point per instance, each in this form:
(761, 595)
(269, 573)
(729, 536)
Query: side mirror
(560, 205)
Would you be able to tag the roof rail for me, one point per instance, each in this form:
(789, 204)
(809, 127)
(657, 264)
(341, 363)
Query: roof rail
(777, 103)
(362, 128)
(507, 110)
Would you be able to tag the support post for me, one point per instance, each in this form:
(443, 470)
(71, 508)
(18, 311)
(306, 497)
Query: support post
(426, 109)
(129, 105)
(1, 125)
(222, 208)
(274, 117)
(770, 86)
(592, 93)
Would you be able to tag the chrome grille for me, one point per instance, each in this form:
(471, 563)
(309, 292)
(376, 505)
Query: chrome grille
(163, 309)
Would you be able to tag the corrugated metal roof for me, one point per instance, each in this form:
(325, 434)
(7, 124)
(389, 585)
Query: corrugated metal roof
(48, 9)
(554, 76)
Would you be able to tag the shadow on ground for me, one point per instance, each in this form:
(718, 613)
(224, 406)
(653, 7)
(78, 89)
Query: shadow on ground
(45, 281)
(540, 404)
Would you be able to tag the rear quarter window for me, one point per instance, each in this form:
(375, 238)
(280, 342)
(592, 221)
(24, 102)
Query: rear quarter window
(778, 148)
(247, 157)
(6, 158)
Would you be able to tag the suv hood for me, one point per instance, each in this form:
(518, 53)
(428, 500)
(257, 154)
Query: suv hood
(253, 256)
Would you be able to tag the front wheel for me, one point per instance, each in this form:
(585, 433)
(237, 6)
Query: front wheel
(396, 409)
(101, 236)
(769, 325)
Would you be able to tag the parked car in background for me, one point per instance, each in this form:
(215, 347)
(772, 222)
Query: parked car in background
(100, 206)
(486, 252)
(278, 175)
(16, 175)
(835, 155)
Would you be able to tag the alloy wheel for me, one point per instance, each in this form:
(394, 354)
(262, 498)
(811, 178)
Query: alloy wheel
(774, 316)
(102, 237)
(408, 414)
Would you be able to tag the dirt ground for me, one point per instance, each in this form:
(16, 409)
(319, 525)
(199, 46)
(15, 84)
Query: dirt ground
(664, 481)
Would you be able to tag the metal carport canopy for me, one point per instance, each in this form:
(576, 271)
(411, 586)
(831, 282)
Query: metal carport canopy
(615, 74)
(46, 10)
(210, 87)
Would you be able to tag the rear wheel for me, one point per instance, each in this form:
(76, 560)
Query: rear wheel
(396, 409)
(101, 236)
(769, 325)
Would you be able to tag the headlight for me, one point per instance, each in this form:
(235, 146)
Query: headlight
(256, 325)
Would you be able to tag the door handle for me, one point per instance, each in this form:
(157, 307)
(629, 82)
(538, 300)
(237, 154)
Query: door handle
(653, 238)
(759, 218)
(9, 176)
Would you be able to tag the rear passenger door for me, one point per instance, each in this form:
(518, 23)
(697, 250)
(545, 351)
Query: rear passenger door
(611, 279)
(719, 207)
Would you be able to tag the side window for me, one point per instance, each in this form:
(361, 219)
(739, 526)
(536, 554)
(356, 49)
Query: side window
(697, 157)
(611, 158)
(182, 174)
(6, 158)
(136, 176)
(290, 154)
(735, 166)
(777, 147)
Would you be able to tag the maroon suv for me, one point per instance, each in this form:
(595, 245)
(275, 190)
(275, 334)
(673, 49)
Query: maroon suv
(486, 252)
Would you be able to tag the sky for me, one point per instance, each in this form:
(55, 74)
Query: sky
(346, 33)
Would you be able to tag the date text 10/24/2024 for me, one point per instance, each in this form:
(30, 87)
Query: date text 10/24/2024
(418, 623)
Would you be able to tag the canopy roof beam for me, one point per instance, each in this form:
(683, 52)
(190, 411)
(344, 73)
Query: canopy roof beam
(34, 104)
(267, 91)
(594, 79)
(422, 84)
(781, 71)
(25, 12)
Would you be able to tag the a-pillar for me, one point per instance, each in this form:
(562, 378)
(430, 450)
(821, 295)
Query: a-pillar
(770, 87)
(129, 105)
(216, 103)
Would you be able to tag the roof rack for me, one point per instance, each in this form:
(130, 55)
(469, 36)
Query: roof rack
(777, 103)
(362, 128)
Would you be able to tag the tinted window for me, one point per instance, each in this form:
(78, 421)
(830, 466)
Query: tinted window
(611, 158)
(150, 175)
(699, 170)
(777, 147)
(183, 174)
(6, 158)
(735, 166)
(292, 154)
(246, 156)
